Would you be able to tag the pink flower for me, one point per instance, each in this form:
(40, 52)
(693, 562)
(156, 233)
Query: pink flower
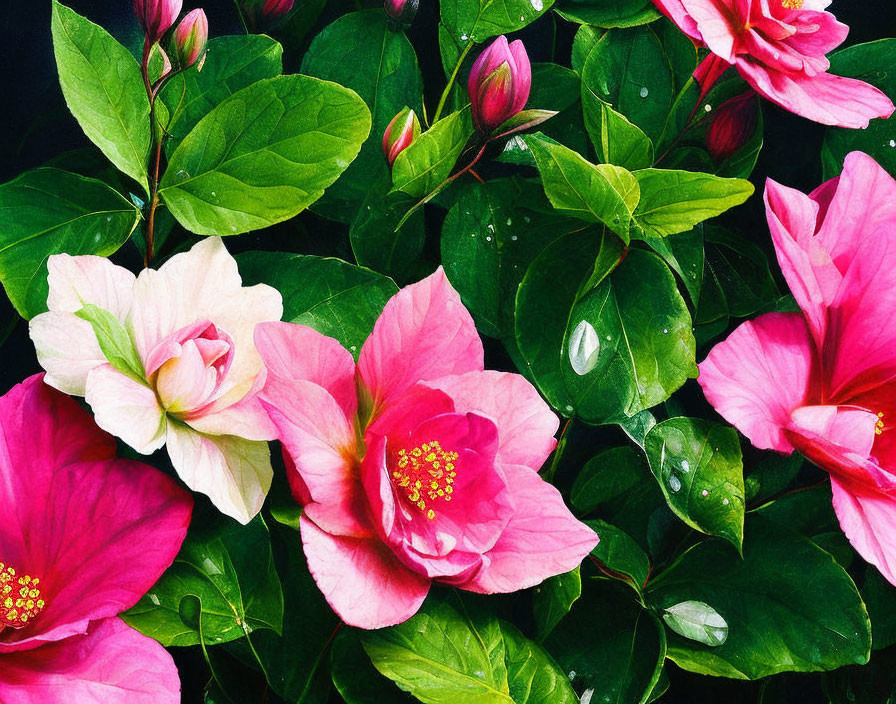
(779, 47)
(157, 16)
(499, 83)
(401, 131)
(276, 9)
(190, 38)
(415, 465)
(82, 537)
(191, 325)
(401, 11)
(824, 382)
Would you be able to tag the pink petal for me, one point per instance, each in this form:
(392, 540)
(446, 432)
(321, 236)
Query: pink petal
(522, 75)
(852, 428)
(817, 33)
(759, 375)
(361, 579)
(112, 664)
(543, 539)
(126, 408)
(76, 281)
(714, 25)
(869, 521)
(424, 333)
(246, 419)
(675, 11)
(824, 98)
(234, 473)
(296, 352)
(67, 349)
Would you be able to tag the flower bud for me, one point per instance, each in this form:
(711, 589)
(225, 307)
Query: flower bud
(732, 125)
(166, 63)
(157, 16)
(274, 10)
(401, 11)
(403, 130)
(499, 83)
(190, 38)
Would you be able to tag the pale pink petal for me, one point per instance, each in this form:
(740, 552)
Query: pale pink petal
(234, 473)
(111, 664)
(185, 382)
(361, 579)
(675, 11)
(66, 348)
(852, 428)
(824, 98)
(869, 521)
(424, 333)
(294, 352)
(714, 25)
(526, 424)
(246, 419)
(127, 409)
(87, 279)
(759, 375)
(543, 539)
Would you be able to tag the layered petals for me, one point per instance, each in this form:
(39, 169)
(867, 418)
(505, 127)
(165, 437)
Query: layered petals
(126, 408)
(868, 519)
(111, 664)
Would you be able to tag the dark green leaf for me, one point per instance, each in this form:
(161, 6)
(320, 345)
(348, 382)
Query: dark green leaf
(607, 476)
(684, 253)
(355, 677)
(871, 684)
(618, 551)
(553, 598)
(615, 139)
(477, 20)
(432, 156)
(608, 13)
(533, 676)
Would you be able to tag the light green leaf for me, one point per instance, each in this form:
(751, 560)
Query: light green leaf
(432, 156)
(533, 675)
(615, 139)
(477, 20)
(104, 90)
(116, 344)
(264, 154)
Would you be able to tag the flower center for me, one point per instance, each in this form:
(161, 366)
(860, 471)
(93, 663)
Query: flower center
(792, 4)
(19, 598)
(879, 426)
(426, 473)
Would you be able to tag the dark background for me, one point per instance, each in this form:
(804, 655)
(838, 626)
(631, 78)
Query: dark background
(37, 126)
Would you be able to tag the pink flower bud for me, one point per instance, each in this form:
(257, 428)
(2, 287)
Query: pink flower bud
(190, 38)
(403, 130)
(499, 83)
(157, 16)
(401, 11)
(732, 126)
(276, 9)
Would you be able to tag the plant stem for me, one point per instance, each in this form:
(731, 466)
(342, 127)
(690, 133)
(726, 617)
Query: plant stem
(157, 156)
(444, 96)
(558, 453)
(239, 12)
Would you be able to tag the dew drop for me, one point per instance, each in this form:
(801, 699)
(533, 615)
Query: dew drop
(527, 219)
(572, 675)
(724, 502)
(674, 483)
(893, 142)
(537, 5)
(568, 409)
(705, 492)
(586, 696)
(463, 37)
(488, 239)
(514, 238)
(522, 18)
(509, 222)
(685, 466)
(491, 228)
(708, 108)
(584, 348)
(665, 331)
(643, 92)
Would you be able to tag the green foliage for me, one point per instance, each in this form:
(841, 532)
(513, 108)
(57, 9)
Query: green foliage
(114, 341)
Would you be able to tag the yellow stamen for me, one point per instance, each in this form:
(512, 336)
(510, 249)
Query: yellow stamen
(19, 597)
(426, 473)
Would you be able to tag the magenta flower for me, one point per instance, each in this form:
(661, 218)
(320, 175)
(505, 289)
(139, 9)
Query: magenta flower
(83, 536)
(732, 125)
(824, 381)
(499, 83)
(401, 131)
(190, 38)
(401, 11)
(779, 47)
(157, 16)
(273, 10)
(196, 374)
(415, 465)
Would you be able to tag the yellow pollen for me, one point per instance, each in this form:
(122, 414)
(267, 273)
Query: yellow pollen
(19, 598)
(792, 4)
(879, 426)
(426, 473)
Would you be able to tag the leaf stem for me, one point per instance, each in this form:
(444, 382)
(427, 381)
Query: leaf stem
(444, 96)
(239, 12)
(157, 138)
(558, 453)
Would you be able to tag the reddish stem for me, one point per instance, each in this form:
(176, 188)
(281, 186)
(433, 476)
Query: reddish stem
(157, 142)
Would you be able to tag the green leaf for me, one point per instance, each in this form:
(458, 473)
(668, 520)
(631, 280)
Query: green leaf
(684, 253)
(477, 20)
(554, 87)
(533, 675)
(231, 64)
(355, 678)
(49, 211)
(871, 684)
(608, 13)
(615, 139)
(776, 622)
(637, 347)
(430, 158)
(880, 598)
(104, 90)
(264, 154)
(443, 655)
(116, 344)
(606, 476)
(594, 193)
(552, 600)
(611, 645)
(225, 575)
(334, 297)
(360, 52)
(618, 551)
(872, 63)
(628, 69)
(699, 468)
(675, 201)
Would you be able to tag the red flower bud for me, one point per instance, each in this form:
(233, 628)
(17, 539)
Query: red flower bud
(276, 9)
(499, 83)
(190, 38)
(157, 16)
(403, 130)
(401, 11)
(732, 125)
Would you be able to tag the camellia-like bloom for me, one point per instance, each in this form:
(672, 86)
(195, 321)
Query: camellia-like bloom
(824, 381)
(415, 465)
(157, 16)
(83, 536)
(190, 38)
(499, 83)
(779, 47)
(196, 374)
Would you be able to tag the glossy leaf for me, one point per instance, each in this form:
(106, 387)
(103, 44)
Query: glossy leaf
(606, 476)
(618, 551)
(355, 678)
(533, 675)
(608, 13)
(430, 159)
(553, 598)
(615, 139)
(477, 20)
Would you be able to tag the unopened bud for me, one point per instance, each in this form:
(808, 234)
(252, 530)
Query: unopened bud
(157, 16)
(190, 38)
(499, 83)
(273, 10)
(400, 133)
(401, 11)
(732, 126)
